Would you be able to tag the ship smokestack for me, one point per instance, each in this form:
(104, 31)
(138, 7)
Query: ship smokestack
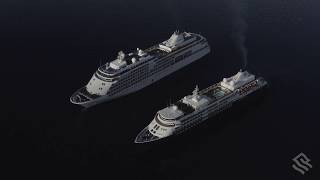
(238, 11)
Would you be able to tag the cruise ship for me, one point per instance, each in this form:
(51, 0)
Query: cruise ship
(201, 105)
(133, 71)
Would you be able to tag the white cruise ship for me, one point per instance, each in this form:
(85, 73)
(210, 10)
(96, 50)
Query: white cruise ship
(199, 106)
(133, 71)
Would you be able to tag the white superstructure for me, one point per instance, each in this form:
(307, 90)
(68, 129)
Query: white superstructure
(133, 71)
(199, 106)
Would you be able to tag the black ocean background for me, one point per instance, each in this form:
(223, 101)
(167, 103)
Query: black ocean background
(51, 48)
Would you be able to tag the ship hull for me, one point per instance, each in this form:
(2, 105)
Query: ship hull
(150, 80)
(201, 129)
(239, 101)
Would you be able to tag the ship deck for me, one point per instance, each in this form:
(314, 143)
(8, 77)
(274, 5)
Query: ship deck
(154, 51)
(83, 96)
(215, 92)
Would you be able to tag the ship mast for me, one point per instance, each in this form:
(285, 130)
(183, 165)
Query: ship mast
(195, 92)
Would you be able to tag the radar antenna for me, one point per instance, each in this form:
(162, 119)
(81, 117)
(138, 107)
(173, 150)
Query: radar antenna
(195, 92)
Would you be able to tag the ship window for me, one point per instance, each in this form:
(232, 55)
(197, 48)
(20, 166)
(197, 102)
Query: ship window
(187, 54)
(179, 58)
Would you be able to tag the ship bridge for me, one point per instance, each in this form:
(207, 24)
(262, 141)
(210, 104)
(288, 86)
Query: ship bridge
(170, 113)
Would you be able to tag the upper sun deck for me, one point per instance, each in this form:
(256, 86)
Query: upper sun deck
(210, 95)
(177, 40)
(206, 96)
(125, 62)
(171, 112)
(197, 100)
(215, 92)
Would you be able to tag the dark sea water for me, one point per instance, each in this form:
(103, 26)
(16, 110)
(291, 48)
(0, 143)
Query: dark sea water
(51, 48)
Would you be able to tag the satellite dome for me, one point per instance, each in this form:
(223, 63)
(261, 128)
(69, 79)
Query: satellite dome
(224, 79)
(174, 107)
